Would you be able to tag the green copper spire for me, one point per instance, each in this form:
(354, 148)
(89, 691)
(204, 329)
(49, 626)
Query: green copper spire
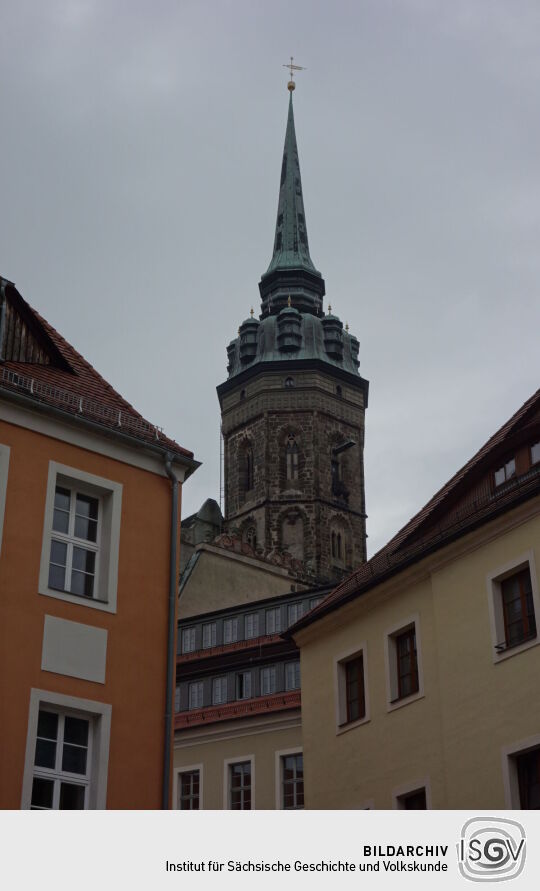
(291, 249)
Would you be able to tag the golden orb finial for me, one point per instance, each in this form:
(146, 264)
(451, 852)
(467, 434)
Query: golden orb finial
(329, 309)
(292, 68)
(289, 301)
(251, 312)
(346, 326)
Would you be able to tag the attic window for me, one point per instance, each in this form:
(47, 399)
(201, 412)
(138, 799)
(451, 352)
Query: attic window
(535, 453)
(338, 391)
(242, 394)
(289, 382)
(506, 472)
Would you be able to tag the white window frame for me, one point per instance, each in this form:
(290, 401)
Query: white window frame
(278, 782)
(99, 714)
(494, 581)
(510, 771)
(57, 775)
(340, 688)
(177, 694)
(535, 445)
(227, 763)
(251, 619)
(293, 664)
(273, 614)
(390, 651)
(70, 541)
(4, 471)
(245, 673)
(405, 789)
(211, 628)
(233, 625)
(190, 768)
(272, 674)
(109, 494)
(219, 685)
(200, 694)
(188, 634)
(298, 609)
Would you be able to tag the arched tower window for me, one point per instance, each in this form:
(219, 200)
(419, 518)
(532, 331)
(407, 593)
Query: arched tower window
(251, 537)
(246, 468)
(291, 456)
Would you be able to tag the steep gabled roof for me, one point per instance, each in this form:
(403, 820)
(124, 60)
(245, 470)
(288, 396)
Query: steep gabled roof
(449, 514)
(37, 363)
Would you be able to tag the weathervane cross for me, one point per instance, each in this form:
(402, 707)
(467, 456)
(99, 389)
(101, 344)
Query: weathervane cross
(292, 68)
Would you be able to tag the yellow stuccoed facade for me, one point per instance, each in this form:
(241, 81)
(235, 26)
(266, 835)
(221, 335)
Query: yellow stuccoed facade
(475, 709)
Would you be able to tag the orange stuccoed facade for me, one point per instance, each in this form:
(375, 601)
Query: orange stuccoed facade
(87, 522)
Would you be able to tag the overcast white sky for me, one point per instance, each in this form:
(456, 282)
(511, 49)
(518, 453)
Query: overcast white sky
(140, 156)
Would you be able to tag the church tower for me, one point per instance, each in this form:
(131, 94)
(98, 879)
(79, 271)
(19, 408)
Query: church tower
(293, 407)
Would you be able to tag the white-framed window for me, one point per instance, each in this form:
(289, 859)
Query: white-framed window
(289, 779)
(252, 625)
(521, 774)
(514, 606)
(243, 685)
(177, 698)
(62, 761)
(535, 453)
(219, 690)
(404, 672)
(295, 612)
(273, 620)
(74, 557)
(506, 472)
(230, 630)
(239, 783)
(79, 557)
(209, 635)
(292, 779)
(195, 695)
(189, 789)
(292, 675)
(188, 639)
(268, 680)
(67, 753)
(351, 689)
(4, 468)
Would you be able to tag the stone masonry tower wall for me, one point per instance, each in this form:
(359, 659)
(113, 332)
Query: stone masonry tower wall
(293, 410)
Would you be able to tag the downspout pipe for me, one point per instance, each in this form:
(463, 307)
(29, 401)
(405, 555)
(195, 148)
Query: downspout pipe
(3, 284)
(171, 655)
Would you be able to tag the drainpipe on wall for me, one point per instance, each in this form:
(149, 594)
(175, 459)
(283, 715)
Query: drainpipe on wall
(3, 284)
(171, 655)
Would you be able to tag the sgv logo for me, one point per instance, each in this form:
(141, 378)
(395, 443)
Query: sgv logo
(491, 849)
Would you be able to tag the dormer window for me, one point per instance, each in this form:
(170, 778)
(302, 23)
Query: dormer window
(535, 453)
(506, 472)
(289, 382)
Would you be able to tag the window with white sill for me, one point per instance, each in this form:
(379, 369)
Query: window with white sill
(514, 606)
(67, 753)
(79, 559)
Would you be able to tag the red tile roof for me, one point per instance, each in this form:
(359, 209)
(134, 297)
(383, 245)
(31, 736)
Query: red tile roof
(400, 551)
(81, 392)
(277, 702)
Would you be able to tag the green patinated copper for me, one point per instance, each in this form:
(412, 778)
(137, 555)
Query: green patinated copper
(291, 249)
